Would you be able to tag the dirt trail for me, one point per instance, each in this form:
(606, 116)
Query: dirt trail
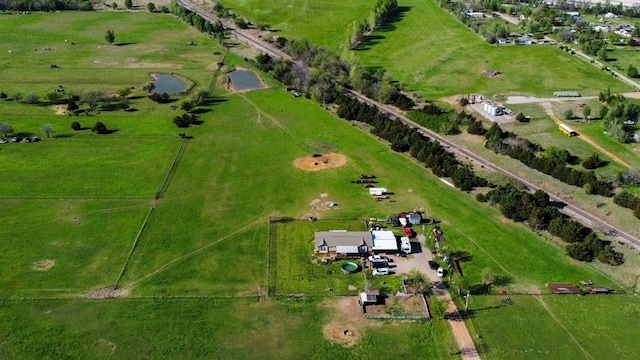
(588, 140)
(465, 344)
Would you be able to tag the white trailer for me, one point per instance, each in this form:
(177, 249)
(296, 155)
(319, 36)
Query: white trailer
(377, 191)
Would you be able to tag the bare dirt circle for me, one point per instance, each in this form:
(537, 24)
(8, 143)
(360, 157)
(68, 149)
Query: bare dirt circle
(317, 162)
(342, 334)
(43, 265)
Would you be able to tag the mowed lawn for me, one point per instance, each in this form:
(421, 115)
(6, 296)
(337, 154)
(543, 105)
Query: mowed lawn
(558, 326)
(431, 52)
(323, 23)
(298, 271)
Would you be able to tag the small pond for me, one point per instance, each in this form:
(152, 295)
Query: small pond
(245, 80)
(168, 84)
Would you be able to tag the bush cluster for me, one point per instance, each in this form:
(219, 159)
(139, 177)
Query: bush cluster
(539, 214)
(526, 152)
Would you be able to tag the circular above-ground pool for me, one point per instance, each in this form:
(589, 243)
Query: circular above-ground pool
(349, 267)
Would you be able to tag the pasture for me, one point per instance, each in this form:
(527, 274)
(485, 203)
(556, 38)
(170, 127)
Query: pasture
(321, 22)
(558, 326)
(193, 263)
(417, 52)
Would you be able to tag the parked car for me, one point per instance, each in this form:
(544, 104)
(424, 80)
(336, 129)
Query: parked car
(381, 271)
(379, 264)
(433, 265)
(378, 258)
(440, 272)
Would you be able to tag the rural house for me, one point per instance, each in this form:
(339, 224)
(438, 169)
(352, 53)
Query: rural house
(343, 242)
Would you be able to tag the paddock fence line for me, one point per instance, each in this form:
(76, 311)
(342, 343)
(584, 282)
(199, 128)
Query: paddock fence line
(174, 164)
(272, 258)
(133, 246)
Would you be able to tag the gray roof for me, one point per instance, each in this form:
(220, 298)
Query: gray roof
(343, 238)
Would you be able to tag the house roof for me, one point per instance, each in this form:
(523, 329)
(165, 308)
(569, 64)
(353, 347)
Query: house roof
(343, 238)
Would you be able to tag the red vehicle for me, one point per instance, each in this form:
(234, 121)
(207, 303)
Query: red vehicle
(408, 231)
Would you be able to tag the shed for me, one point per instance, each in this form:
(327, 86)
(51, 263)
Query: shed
(369, 297)
(377, 191)
(564, 288)
(384, 240)
(414, 218)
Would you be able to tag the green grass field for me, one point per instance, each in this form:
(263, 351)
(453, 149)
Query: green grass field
(439, 63)
(558, 326)
(322, 23)
(197, 277)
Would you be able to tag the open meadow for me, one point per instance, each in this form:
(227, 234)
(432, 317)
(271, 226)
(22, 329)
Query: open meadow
(558, 326)
(181, 227)
(321, 22)
(416, 51)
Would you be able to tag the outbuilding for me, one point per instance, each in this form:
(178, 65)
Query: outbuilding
(384, 240)
(377, 191)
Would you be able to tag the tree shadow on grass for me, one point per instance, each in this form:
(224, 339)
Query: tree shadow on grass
(461, 255)
(125, 44)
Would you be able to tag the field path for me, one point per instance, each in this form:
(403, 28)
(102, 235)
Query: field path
(546, 307)
(268, 116)
(588, 140)
(215, 242)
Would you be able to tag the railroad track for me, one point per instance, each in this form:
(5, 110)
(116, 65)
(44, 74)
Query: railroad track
(569, 209)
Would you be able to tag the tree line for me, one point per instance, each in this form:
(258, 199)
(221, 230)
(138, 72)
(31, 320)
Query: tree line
(552, 162)
(376, 17)
(403, 138)
(45, 5)
(630, 201)
(539, 214)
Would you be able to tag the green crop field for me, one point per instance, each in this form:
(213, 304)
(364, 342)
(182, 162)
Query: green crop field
(416, 51)
(193, 263)
(558, 326)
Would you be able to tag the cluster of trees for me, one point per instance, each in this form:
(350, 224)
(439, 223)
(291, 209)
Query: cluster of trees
(360, 28)
(403, 138)
(445, 122)
(216, 29)
(552, 162)
(185, 120)
(539, 214)
(160, 98)
(322, 75)
(45, 5)
(630, 201)
(617, 112)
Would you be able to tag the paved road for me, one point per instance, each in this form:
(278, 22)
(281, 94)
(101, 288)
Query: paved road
(568, 208)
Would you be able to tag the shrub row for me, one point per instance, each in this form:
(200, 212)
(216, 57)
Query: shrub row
(525, 151)
(536, 210)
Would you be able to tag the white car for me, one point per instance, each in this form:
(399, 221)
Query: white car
(381, 271)
(378, 258)
(440, 272)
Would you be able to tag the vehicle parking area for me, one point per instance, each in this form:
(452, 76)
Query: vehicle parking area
(418, 259)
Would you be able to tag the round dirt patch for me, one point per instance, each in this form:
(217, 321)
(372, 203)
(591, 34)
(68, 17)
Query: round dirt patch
(320, 162)
(341, 334)
(43, 265)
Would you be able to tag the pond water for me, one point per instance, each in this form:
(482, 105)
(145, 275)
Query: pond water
(168, 84)
(245, 80)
